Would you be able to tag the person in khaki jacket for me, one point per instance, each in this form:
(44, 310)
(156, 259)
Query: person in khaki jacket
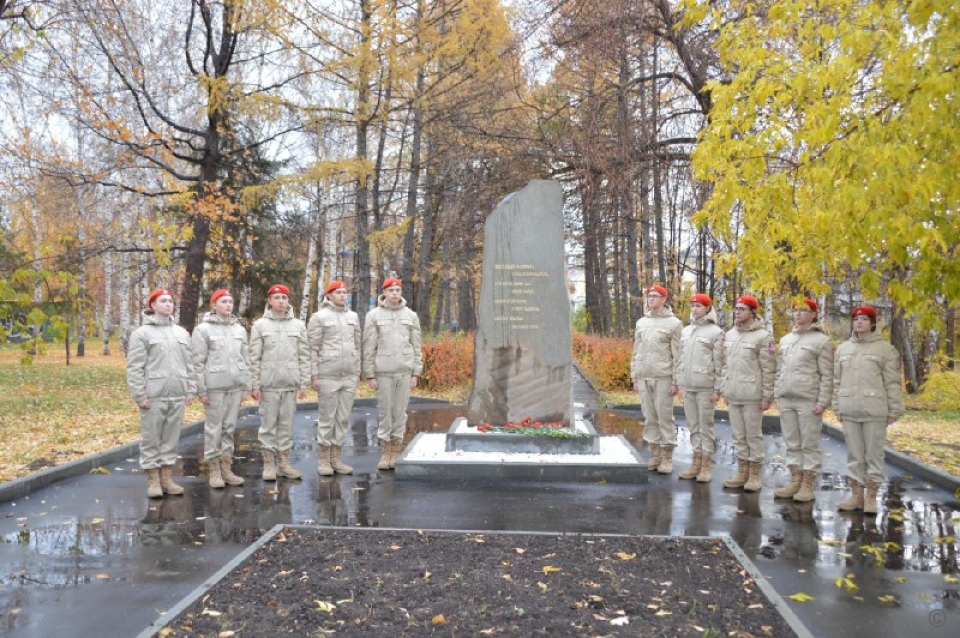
(653, 369)
(867, 397)
(698, 376)
(222, 360)
(804, 387)
(162, 383)
(750, 367)
(280, 374)
(334, 333)
(392, 363)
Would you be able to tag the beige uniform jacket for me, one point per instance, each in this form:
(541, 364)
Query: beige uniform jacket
(279, 353)
(867, 382)
(159, 361)
(656, 346)
(805, 366)
(391, 341)
(701, 355)
(221, 356)
(750, 364)
(334, 342)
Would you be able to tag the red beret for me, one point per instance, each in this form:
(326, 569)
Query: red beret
(156, 294)
(864, 310)
(749, 300)
(278, 289)
(335, 285)
(391, 281)
(701, 298)
(657, 289)
(811, 303)
(223, 292)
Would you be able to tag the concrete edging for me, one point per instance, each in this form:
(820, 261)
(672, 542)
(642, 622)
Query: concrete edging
(766, 588)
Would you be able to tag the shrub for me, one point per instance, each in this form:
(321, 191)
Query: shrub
(940, 392)
(447, 361)
(606, 360)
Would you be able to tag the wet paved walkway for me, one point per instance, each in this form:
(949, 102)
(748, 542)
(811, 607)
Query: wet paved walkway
(93, 556)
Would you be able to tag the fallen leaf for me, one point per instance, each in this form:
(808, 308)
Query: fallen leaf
(599, 617)
(438, 620)
(550, 569)
(663, 612)
(99, 470)
(519, 550)
(951, 579)
(396, 547)
(323, 605)
(272, 492)
(166, 631)
(831, 543)
(621, 621)
(625, 556)
(887, 600)
(755, 606)
(801, 597)
(211, 612)
(226, 634)
(900, 579)
(507, 577)
(543, 587)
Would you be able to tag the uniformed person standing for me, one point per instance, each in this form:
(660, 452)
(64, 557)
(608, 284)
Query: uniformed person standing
(280, 373)
(867, 397)
(653, 368)
(804, 388)
(392, 363)
(750, 366)
(162, 382)
(698, 375)
(334, 333)
(221, 357)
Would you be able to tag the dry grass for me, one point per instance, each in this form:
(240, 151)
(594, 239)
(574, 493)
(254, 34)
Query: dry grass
(51, 413)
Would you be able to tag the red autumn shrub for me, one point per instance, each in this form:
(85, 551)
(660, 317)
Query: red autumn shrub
(447, 360)
(606, 360)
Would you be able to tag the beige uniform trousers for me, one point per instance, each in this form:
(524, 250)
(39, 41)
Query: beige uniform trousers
(746, 425)
(698, 409)
(277, 408)
(393, 396)
(335, 399)
(657, 405)
(220, 424)
(801, 428)
(865, 450)
(160, 432)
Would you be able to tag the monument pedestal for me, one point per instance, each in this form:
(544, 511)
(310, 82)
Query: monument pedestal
(465, 454)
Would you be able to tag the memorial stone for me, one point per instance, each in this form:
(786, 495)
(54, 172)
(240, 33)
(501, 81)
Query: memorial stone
(522, 359)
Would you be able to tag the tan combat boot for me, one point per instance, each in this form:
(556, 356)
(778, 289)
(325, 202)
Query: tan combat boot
(705, 469)
(269, 466)
(855, 502)
(740, 477)
(806, 492)
(153, 484)
(166, 482)
(694, 470)
(336, 461)
(787, 491)
(386, 449)
(395, 453)
(654, 461)
(753, 483)
(216, 478)
(324, 452)
(870, 499)
(226, 471)
(285, 469)
(666, 460)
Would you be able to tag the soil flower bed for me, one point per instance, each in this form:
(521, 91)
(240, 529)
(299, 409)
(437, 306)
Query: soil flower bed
(383, 582)
(530, 427)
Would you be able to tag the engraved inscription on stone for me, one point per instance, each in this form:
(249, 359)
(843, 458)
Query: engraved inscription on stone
(522, 361)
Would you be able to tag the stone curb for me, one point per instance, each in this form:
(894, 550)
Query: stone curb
(24, 485)
(768, 590)
(771, 425)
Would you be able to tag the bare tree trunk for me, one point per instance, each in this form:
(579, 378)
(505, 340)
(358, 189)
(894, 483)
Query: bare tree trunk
(311, 263)
(424, 290)
(657, 168)
(950, 337)
(107, 319)
(37, 253)
(900, 338)
(81, 274)
(361, 300)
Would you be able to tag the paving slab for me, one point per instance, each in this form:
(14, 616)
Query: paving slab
(91, 555)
